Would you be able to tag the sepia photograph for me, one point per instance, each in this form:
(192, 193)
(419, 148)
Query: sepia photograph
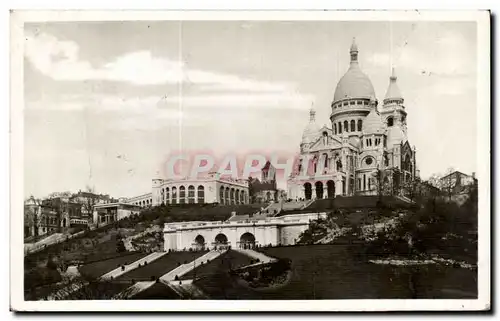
(283, 161)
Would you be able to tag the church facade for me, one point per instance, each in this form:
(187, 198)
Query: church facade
(365, 151)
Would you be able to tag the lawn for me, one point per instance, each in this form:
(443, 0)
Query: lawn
(157, 291)
(99, 268)
(336, 272)
(225, 262)
(160, 267)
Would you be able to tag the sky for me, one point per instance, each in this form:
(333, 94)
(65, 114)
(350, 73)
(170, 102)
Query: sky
(106, 102)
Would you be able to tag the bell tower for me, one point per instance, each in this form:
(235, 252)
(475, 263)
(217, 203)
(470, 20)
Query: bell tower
(394, 114)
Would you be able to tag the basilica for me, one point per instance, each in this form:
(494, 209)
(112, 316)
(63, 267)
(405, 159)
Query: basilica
(366, 149)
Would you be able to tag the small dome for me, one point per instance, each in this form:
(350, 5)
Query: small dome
(373, 123)
(354, 83)
(312, 129)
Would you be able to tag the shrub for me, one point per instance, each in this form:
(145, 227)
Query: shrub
(123, 267)
(153, 278)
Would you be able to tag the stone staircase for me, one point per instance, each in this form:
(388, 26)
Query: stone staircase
(186, 289)
(132, 266)
(186, 268)
(256, 255)
(134, 289)
(180, 287)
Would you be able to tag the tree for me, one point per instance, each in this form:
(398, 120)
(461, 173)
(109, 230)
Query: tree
(382, 185)
(90, 201)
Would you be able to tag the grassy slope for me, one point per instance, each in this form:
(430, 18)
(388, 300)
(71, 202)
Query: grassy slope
(229, 260)
(160, 267)
(336, 272)
(158, 291)
(97, 269)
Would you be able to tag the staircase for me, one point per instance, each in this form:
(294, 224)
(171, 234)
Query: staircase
(186, 268)
(134, 289)
(186, 289)
(169, 277)
(256, 255)
(132, 266)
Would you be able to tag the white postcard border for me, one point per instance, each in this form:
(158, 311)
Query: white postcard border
(17, 145)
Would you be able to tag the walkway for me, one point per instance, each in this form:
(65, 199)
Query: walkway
(134, 289)
(132, 266)
(256, 255)
(186, 289)
(169, 277)
(186, 268)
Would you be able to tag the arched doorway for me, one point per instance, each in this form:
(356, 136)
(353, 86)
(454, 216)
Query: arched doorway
(221, 241)
(308, 190)
(199, 243)
(330, 186)
(247, 241)
(319, 190)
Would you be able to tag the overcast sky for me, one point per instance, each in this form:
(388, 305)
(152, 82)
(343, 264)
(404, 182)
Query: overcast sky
(94, 113)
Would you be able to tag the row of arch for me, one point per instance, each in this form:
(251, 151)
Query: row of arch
(181, 195)
(247, 241)
(353, 125)
(349, 126)
(144, 203)
(319, 187)
(232, 196)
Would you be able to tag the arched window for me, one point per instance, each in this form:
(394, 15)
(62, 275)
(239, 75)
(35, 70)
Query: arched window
(335, 128)
(174, 195)
(221, 195)
(232, 196)
(326, 161)
(340, 127)
(325, 138)
(390, 122)
(228, 200)
(346, 126)
(191, 193)
(353, 126)
(201, 194)
(360, 125)
(182, 195)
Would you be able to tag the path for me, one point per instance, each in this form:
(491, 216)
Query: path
(186, 289)
(186, 268)
(169, 277)
(134, 289)
(256, 255)
(132, 266)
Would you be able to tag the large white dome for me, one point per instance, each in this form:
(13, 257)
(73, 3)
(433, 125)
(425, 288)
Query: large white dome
(354, 83)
